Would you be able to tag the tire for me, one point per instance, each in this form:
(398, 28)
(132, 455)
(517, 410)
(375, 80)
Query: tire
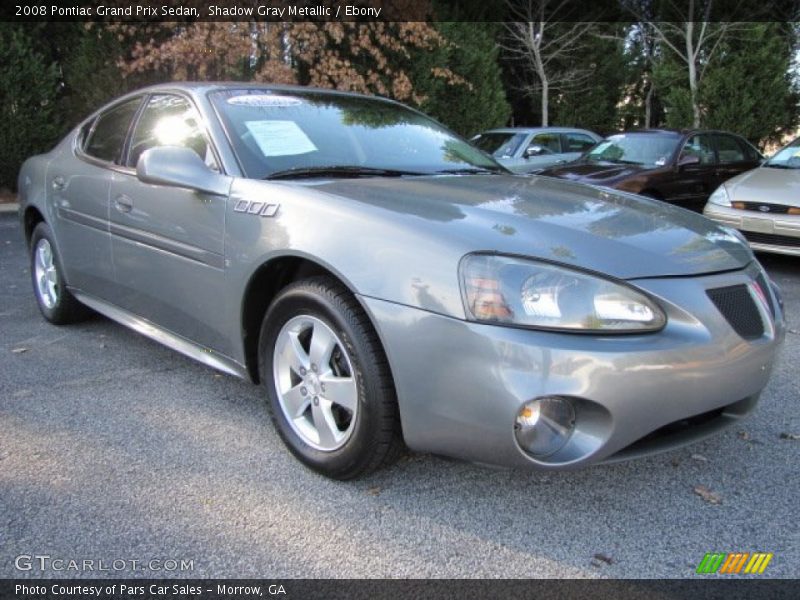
(351, 427)
(55, 301)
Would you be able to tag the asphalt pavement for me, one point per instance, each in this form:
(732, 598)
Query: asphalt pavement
(113, 448)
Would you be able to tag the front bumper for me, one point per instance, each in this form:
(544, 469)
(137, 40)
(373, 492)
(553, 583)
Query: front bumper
(461, 384)
(775, 233)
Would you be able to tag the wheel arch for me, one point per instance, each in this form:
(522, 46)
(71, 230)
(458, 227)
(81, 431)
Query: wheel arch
(30, 219)
(265, 284)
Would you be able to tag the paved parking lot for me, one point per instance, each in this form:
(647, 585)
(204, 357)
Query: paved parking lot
(115, 448)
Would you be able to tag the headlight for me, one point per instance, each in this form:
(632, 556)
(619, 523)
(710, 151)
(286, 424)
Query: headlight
(720, 197)
(513, 291)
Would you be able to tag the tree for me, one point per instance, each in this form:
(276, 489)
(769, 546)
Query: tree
(363, 57)
(547, 47)
(595, 106)
(472, 99)
(764, 109)
(692, 42)
(29, 85)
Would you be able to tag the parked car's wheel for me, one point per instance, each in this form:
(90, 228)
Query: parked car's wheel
(328, 384)
(56, 303)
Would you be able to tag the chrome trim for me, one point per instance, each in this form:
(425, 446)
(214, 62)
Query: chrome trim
(163, 336)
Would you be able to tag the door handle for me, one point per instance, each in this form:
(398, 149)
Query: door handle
(59, 183)
(123, 203)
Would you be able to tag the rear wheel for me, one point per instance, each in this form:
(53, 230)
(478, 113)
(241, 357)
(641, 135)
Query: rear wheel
(56, 303)
(327, 380)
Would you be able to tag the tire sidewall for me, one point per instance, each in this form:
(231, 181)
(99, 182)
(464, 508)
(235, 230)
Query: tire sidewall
(304, 300)
(54, 314)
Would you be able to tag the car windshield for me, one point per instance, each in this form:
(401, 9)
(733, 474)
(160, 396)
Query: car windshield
(499, 145)
(787, 157)
(278, 133)
(635, 149)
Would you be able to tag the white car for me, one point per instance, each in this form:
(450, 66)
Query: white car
(764, 204)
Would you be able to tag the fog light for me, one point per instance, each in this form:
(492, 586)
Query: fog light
(544, 425)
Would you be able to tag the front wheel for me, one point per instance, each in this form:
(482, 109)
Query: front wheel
(327, 380)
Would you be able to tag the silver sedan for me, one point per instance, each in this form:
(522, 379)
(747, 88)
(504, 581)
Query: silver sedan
(388, 284)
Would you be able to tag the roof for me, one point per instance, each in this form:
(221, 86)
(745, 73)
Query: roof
(538, 130)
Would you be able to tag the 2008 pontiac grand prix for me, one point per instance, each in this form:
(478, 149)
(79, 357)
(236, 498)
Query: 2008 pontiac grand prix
(386, 282)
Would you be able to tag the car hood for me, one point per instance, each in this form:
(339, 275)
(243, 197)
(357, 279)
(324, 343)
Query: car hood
(620, 234)
(595, 173)
(768, 185)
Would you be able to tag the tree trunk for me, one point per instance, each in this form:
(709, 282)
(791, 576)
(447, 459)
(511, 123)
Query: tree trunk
(648, 106)
(692, 62)
(545, 102)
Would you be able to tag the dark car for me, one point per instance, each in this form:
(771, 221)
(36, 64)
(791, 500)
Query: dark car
(680, 167)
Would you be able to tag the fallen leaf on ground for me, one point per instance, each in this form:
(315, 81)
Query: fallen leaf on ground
(19, 350)
(707, 495)
(790, 436)
(743, 435)
(604, 557)
(374, 491)
(699, 457)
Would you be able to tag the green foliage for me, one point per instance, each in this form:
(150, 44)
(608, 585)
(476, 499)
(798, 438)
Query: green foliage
(478, 102)
(750, 90)
(29, 85)
(594, 105)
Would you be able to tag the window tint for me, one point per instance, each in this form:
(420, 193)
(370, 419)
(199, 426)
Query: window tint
(577, 142)
(107, 135)
(750, 152)
(170, 120)
(700, 146)
(548, 141)
(729, 150)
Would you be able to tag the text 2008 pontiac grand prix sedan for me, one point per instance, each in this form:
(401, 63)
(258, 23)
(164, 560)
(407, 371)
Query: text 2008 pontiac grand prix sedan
(386, 282)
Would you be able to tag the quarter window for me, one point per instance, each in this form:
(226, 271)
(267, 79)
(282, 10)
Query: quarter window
(107, 136)
(170, 120)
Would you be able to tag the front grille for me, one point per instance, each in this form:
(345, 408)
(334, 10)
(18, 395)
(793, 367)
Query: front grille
(773, 209)
(738, 307)
(772, 239)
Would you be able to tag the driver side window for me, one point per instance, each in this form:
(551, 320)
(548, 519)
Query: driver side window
(170, 120)
(699, 146)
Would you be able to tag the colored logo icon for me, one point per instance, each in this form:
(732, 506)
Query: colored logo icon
(734, 563)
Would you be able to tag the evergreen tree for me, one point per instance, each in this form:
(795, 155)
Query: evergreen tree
(751, 90)
(29, 85)
(472, 98)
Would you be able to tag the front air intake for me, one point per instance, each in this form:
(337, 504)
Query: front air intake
(737, 306)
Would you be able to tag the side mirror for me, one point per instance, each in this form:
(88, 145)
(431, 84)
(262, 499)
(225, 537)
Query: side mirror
(533, 151)
(180, 167)
(688, 159)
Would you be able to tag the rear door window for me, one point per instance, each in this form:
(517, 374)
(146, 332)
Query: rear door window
(106, 139)
(728, 149)
(577, 142)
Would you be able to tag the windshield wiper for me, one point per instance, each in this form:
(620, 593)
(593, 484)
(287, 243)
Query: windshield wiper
(778, 166)
(338, 171)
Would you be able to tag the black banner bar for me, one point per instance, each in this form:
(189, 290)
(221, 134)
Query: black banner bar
(381, 10)
(315, 589)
